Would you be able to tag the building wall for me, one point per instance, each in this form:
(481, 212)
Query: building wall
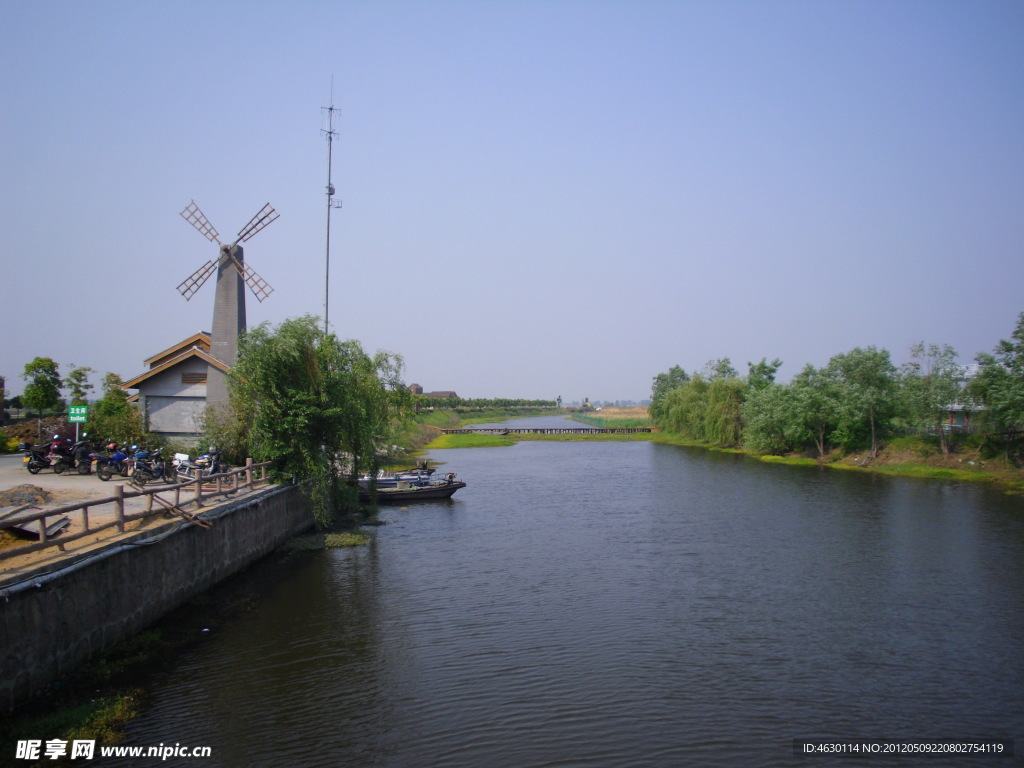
(51, 623)
(172, 407)
(169, 382)
(175, 415)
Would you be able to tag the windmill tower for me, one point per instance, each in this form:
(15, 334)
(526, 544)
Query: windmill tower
(229, 301)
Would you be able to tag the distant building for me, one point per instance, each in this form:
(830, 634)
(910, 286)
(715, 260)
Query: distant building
(172, 393)
(958, 414)
(416, 389)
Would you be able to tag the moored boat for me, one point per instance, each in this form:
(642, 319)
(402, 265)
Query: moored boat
(412, 489)
(417, 475)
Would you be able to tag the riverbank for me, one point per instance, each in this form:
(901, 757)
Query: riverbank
(902, 457)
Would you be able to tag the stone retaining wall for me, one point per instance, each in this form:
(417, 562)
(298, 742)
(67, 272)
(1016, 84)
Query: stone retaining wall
(54, 622)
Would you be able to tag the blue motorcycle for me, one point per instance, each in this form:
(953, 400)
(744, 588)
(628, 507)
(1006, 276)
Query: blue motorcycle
(150, 467)
(115, 462)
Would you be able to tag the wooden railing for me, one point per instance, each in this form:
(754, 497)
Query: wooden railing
(159, 500)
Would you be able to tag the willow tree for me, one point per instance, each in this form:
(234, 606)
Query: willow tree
(319, 407)
(664, 385)
(686, 407)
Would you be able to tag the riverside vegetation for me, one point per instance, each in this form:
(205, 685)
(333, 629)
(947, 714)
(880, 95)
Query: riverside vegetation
(861, 411)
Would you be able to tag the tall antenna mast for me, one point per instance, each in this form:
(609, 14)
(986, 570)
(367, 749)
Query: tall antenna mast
(330, 133)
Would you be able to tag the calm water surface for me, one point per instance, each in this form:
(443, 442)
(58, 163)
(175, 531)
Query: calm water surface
(620, 604)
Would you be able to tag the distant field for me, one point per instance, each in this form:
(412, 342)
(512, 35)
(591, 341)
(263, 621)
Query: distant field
(636, 416)
(469, 441)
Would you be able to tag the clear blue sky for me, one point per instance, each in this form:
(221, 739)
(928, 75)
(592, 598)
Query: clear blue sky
(540, 198)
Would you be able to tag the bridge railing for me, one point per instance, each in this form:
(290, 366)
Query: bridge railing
(158, 501)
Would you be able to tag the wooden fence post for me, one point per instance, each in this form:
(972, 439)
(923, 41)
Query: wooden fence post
(119, 507)
(248, 473)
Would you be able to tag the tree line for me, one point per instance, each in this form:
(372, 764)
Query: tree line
(854, 402)
(423, 402)
(47, 393)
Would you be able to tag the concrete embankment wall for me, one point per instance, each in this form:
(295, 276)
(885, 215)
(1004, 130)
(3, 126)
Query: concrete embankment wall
(55, 622)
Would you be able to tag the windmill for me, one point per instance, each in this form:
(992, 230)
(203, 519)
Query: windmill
(229, 301)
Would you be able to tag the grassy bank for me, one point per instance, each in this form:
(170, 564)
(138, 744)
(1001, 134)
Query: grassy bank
(424, 431)
(915, 457)
(609, 418)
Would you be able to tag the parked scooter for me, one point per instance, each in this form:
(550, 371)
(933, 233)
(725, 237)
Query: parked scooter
(210, 463)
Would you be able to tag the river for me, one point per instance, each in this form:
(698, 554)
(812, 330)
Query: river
(618, 604)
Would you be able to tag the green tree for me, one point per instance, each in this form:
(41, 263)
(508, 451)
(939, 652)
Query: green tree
(686, 408)
(664, 383)
(719, 369)
(761, 375)
(999, 385)
(115, 399)
(112, 417)
(316, 405)
(723, 421)
(867, 379)
(767, 414)
(930, 385)
(815, 407)
(42, 393)
(77, 384)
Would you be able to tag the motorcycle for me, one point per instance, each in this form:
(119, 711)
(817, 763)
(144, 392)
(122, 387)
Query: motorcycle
(209, 463)
(115, 462)
(60, 456)
(36, 458)
(150, 467)
(82, 455)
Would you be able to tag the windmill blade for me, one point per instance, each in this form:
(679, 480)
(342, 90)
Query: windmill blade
(260, 288)
(198, 219)
(193, 283)
(262, 219)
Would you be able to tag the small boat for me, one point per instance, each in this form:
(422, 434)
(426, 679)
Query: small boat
(416, 475)
(414, 489)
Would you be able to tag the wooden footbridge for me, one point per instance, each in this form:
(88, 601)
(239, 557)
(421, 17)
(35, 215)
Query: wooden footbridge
(546, 430)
